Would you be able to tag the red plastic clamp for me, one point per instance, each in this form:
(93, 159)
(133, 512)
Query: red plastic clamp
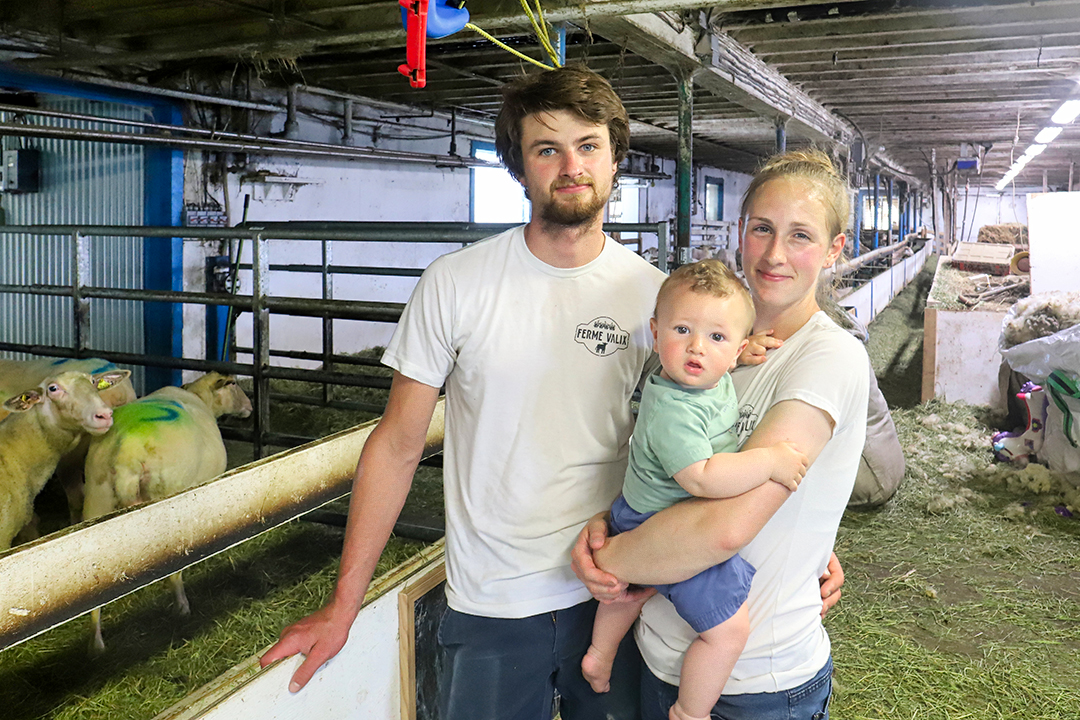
(415, 67)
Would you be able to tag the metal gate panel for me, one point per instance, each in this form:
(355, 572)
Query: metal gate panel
(81, 183)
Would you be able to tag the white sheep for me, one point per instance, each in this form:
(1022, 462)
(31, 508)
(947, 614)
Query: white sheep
(45, 422)
(15, 375)
(158, 446)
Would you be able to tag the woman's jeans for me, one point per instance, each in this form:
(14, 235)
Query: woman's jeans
(809, 701)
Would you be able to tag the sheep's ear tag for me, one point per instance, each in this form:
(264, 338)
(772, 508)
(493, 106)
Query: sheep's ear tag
(103, 384)
(27, 398)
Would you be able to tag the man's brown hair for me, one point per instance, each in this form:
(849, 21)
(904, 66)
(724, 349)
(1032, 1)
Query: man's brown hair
(572, 87)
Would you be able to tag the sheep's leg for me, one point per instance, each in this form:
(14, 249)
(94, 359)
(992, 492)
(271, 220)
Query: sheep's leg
(182, 605)
(97, 644)
(29, 531)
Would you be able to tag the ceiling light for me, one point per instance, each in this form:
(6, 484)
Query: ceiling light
(1034, 150)
(1048, 134)
(1003, 183)
(1067, 112)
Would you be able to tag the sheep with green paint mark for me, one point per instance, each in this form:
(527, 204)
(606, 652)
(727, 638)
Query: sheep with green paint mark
(158, 446)
(46, 420)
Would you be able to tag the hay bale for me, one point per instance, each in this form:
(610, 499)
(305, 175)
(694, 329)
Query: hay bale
(1006, 234)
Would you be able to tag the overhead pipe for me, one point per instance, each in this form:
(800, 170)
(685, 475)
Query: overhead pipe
(165, 128)
(257, 145)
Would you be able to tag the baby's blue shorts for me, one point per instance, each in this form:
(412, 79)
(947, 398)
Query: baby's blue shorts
(705, 600)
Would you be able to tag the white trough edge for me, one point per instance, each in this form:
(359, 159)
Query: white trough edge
(873, 296)
(57, 578)
(363, 681)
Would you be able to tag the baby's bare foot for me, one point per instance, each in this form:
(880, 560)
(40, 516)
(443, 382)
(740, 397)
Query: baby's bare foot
(597, 669)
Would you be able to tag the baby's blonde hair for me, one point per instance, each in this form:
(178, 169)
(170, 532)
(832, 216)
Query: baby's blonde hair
(709, 277)
(815, 167)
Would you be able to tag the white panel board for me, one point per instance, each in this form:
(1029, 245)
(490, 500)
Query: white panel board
(1054, 241)
(360, 683)
(966, 359)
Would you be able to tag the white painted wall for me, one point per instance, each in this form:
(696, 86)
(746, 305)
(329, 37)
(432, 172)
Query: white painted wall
(281, 189)
(1055, 241)
(992, 208)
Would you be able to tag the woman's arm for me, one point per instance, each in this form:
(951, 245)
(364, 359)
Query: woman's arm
(690, 536)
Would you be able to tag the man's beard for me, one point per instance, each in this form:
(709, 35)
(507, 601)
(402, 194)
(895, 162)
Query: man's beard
(576, 210)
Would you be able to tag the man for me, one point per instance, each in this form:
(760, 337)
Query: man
(540, 335)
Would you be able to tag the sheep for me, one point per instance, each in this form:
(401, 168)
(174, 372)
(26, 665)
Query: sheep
(18, 374)
(45, 422)
(158, 446)
(15, 375)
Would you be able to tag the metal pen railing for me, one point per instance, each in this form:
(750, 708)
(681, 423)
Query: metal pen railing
(260, 303)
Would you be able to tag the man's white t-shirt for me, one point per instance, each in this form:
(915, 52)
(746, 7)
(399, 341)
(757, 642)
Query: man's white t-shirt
(539, 364)
(823, 366)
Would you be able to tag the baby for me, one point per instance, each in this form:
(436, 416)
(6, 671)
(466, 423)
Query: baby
(684, 445)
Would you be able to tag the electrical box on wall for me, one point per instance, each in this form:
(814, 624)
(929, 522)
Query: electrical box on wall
(21, 171)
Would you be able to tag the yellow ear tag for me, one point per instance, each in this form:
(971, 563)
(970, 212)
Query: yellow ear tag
(26, 397)
(103, 383)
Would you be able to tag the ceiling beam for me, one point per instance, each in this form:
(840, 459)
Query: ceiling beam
(971, 20)
(737, 76)
(379, 27)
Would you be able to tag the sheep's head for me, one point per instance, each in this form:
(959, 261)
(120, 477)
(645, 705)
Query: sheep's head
(222, 394)
(70, 400)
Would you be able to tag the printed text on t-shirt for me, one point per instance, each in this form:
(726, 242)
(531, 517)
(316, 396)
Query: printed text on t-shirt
(602, 336)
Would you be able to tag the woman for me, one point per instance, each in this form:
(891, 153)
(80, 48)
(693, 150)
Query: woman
(811, 391)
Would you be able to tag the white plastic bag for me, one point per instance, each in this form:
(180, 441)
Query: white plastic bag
(1040, 357)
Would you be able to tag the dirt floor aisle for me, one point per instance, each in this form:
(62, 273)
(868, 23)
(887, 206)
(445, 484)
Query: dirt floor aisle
(963, 592)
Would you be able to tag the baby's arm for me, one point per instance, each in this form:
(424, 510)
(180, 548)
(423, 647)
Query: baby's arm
(730, 474)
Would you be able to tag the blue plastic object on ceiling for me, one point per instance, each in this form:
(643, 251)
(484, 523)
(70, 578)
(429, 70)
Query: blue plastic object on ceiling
(444, 17)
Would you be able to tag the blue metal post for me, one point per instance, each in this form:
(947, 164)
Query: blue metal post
(560, 48)
(860, 196)
(889, 190)
(781, 135)
(163, 323)
(877, 208)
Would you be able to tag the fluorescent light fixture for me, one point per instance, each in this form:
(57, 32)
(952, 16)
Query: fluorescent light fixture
(1003, 183)
(1021, 161)
(1048, 134)
(1067, 112)
(1034, 150)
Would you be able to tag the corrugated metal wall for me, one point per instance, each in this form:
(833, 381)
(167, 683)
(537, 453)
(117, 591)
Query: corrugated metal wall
(81, 183)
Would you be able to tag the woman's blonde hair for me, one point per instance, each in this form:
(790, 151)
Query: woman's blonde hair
(815, 167)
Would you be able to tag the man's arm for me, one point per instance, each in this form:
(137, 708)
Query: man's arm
(690, 536)
(383, 477)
